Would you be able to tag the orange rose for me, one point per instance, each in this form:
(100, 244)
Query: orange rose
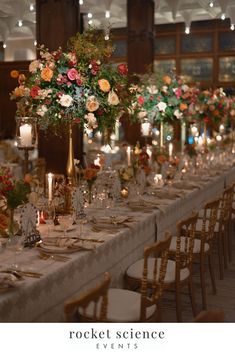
(14, 73)
(183, 106)
(28, 178)
(92, 104)
(19, 91)
(104, 85)
(167, 79)
(216, 112)
(46, 74)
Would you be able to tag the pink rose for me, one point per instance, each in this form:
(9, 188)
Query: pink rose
(72, 74)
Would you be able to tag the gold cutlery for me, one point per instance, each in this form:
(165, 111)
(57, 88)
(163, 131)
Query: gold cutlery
(46, 256)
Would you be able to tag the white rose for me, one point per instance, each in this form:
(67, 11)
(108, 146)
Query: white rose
(91, 119)
(185, 88)
(33, 66)
(178, 114)
(113, 98)
(161, 106)
(152, 89)
(42, 110)
(66, 100)
(164, 89)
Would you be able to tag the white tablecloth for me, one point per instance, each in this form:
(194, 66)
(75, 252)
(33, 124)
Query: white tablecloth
(41, 300)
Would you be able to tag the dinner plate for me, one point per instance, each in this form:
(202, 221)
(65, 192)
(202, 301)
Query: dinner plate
(61, 230)
(52, 249)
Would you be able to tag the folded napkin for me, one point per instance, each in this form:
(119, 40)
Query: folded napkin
(66, 243)
(111, 220)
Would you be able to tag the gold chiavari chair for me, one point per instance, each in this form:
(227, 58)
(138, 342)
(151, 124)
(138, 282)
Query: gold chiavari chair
(179, 268)
(203, 244)
(98, 296)
(124, 305)
(222, 228)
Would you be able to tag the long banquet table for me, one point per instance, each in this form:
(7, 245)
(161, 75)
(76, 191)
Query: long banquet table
(42, 299)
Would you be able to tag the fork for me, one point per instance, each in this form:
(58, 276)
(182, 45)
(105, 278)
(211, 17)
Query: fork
(46, 256)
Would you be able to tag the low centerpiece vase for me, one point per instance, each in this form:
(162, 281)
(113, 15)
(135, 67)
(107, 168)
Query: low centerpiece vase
(70, 167)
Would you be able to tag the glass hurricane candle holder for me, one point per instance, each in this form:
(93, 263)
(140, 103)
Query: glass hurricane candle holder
(26, 137)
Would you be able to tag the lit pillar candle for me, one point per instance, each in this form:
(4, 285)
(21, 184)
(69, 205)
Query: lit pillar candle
(221, 129)
(26, 135)
(183, 136)
(128, 152)
(97, 161)
(50, 183)
(170, 150)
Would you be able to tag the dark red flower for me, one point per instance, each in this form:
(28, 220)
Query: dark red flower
(122, 69)
(34, 91)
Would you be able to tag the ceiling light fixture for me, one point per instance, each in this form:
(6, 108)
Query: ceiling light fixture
(232, 27)
(211, 4)
(20, 23)
(90, 22)
(223, 16)
(31, 7)
(81, 2)
(89, 15)
(187, 29)
(4, 45)
(106, 37)
(107, 14)
(35, 43)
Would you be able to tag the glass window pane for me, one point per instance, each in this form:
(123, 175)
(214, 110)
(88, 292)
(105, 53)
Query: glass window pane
(197, 69)
(227, 69)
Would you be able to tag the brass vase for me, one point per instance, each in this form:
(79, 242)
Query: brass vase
(70, 167)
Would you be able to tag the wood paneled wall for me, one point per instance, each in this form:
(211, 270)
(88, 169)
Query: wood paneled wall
(8, 107)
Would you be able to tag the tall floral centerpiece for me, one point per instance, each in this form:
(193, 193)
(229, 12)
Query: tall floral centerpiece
(212, 108)
(78, 86)
(165, 99)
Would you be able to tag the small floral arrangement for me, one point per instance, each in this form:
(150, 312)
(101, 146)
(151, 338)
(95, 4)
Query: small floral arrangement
(90, 173)
(125, 174)
(14, 192)
(141, 160)
(78, 86)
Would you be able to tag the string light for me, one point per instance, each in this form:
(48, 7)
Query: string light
(31, 7)
(107, 14)
(90, 22)
(4, 45)
(20, 23)
(35, 43)
(89, 15)
(211, 4)
(232, 27)
(223, 16)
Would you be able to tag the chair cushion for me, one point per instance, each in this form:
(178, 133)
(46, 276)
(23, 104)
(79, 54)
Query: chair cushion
(123, 306)
(199, 226)
(196, 247)
(136, 270)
